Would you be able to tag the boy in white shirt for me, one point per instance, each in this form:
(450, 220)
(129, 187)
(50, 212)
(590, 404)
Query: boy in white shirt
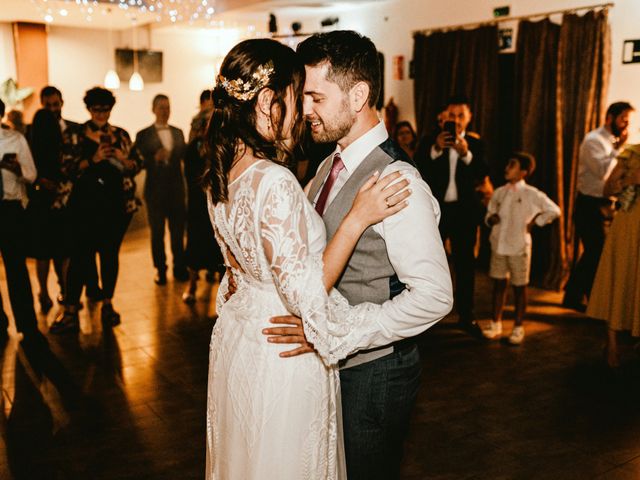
(513, 210)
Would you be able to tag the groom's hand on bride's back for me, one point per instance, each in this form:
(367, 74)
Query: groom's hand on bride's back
(289, 331)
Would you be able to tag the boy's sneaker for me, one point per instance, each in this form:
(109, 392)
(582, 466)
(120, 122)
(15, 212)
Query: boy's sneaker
(494, 330)
(517, 335)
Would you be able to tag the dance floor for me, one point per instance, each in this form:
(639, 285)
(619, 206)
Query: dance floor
(130, 403)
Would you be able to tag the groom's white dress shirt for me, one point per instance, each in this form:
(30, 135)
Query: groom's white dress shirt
(414, 248)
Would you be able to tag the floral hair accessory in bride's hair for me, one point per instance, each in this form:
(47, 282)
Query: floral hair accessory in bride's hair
(246, 90)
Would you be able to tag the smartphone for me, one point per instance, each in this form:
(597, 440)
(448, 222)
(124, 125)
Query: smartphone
(450, 128)
(105, 138)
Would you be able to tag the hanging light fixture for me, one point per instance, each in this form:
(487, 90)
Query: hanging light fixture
(136, 83)
(111, 79)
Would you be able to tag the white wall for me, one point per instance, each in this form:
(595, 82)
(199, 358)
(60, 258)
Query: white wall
(189, 60)
(625, 79)
(7, 56)
(391, 24)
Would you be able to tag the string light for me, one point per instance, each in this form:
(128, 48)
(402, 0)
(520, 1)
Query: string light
(173, 11)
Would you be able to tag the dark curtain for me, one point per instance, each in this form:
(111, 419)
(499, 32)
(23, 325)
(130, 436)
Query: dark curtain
(560, 87)
(562, 74)
(459, 62)
(584, 65)
(536, 129)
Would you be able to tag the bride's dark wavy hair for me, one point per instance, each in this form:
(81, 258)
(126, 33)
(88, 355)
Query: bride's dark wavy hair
(232, 126)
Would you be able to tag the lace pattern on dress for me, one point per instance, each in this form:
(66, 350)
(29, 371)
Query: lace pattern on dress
(265, 227)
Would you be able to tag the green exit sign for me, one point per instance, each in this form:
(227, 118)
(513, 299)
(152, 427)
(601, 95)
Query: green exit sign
(501, 11)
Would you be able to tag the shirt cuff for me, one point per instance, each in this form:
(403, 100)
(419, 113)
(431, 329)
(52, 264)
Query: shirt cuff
(435, 153)
(467, 158)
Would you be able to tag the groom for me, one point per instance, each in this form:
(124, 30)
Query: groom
(399, 263)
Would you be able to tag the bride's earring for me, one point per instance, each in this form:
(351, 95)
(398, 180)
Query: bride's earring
(269, 123)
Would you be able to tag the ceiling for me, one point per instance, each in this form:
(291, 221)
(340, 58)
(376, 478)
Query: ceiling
(110, 14)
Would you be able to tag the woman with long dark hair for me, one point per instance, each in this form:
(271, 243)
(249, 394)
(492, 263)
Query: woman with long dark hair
(268, 416)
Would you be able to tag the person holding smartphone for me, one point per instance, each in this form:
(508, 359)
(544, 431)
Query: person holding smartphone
(101, 205)
(16, 171)
(455, 169)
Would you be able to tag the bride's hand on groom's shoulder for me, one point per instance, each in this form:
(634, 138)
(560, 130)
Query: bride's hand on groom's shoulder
(289, 331)
(380, 198)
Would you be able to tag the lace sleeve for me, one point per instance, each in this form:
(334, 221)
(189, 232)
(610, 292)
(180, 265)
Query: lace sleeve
(297, 273)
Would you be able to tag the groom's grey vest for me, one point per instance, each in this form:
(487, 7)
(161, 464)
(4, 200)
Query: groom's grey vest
(369, 276)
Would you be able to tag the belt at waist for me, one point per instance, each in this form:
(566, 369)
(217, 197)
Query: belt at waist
(365, 356)
(593, 201)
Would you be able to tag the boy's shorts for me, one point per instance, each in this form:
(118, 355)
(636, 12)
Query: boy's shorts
(515, 267)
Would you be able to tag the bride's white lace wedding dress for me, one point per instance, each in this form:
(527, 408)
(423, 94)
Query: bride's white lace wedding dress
(270, 417)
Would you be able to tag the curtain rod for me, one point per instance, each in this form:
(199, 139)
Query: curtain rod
(509, 19)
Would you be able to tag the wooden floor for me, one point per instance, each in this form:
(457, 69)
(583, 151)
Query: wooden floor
(130, 404)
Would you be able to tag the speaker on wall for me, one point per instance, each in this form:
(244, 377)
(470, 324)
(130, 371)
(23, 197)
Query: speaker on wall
(149, 64)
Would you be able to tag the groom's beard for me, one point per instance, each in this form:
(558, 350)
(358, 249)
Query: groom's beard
(335, 128)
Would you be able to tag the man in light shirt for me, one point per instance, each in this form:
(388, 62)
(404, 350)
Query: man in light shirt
(514, 209)
(597, 158)
(399, 263)
(162, 147)
(16, 171)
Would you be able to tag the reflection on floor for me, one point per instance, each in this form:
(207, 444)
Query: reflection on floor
(130, 404)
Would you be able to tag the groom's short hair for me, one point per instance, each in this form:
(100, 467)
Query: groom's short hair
(352, 58)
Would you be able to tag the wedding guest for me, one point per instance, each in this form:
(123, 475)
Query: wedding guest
(514, 209)
(49, 226)
(51, 99)
(596, 160)
(102, 204)
(615, 296)
(162, 148)
(15, 119)
(201, 119)
(16, 171)
(202, 252)
(454, 168)
(405, 137)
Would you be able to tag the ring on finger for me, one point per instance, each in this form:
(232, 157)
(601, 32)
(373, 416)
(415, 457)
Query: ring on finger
(386, 200)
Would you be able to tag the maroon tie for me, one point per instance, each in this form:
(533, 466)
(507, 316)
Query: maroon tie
(331, 179)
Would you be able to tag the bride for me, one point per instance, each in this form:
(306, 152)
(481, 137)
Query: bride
(269, 417)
